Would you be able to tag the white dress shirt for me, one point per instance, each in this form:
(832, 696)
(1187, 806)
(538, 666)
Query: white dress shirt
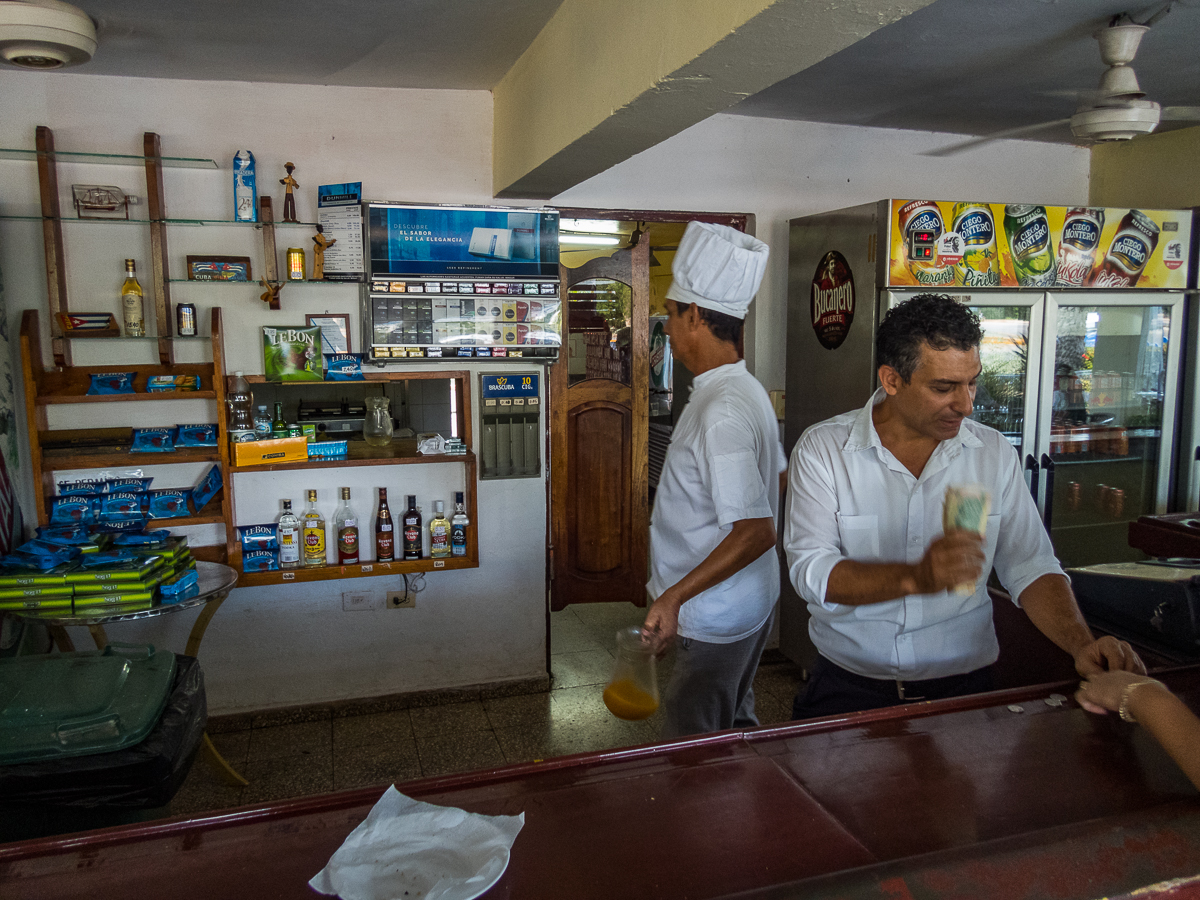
(723, 465)
(850, 498)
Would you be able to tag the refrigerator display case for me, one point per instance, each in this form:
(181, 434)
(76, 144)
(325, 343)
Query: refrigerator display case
(1082, 313)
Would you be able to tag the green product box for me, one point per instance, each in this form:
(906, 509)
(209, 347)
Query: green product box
(121, 598)
(292, 353)
(131, 572)
(37, 605)
(34, 579)
(43, 591)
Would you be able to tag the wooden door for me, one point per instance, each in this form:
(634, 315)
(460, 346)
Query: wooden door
(599, 408)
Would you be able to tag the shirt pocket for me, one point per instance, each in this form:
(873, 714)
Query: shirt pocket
(860, 537)
(990, 539)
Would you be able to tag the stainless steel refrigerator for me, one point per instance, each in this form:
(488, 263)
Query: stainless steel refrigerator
(1083, 320)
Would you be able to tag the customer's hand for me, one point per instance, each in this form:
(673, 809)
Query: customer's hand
(1102, 691)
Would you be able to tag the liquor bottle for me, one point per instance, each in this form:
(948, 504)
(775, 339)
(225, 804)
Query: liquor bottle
(289, 537)
(314, 533)
(458, 527)
(412, 529)
(131, 303)
(345, 523)
(262, 423)
(241, 420)
(385, 538)
(439, 532)
(279, 428)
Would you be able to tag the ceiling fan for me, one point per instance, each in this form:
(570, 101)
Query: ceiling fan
(1116, 110)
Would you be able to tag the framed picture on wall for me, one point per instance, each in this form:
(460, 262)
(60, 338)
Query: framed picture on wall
(335, 331)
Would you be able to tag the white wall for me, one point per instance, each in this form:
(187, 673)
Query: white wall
(280, 646)
(779, 170)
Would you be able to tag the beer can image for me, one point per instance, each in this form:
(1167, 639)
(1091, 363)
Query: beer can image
(1030, 246)
(1077, 245)
(523, 333)
(295, 264)
(980, 263)
(509, 334)
(522, 308)
(185, 319)
(508, 310)
(1130, 250)
(924, 215)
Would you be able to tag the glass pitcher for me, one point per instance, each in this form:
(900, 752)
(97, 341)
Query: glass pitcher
(377, 424)
(632, 692)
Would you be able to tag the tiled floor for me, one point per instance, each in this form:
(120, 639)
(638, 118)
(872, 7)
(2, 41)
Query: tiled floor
(282, 761)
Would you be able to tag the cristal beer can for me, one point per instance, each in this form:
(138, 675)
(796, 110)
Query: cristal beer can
(1029, 243)
(979, 266)
(1130, 250)
(924, 215)
(1078, 244)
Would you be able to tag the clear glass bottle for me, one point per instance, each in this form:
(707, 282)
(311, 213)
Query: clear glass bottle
(412, 529)
(439, 532)
(132, 309)
(314, 533)
(241, 406)
(377, 423)
(279, 427)
(458, 527)
(345, 523)
(385, 537)
(288, 532)
(262, 422)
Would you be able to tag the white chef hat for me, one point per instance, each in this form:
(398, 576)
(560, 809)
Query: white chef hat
(717, 267)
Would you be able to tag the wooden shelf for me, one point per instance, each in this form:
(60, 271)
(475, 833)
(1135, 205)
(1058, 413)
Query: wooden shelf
(366, 570)
(108, 457)
(363, 454)
(439, 374)
(52, 400)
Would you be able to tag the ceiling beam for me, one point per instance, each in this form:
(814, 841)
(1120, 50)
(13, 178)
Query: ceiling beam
(605, 81)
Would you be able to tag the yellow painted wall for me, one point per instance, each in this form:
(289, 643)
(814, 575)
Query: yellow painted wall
(593, 58)
(1159, 171)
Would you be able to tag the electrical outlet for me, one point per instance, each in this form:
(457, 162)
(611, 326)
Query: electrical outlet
(356, 600)
(401, 600)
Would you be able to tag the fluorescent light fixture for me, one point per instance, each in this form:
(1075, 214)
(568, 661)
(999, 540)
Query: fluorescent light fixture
(603, 226)
(595, 240)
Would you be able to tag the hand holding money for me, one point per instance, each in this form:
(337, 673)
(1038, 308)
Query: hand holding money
(966, 509)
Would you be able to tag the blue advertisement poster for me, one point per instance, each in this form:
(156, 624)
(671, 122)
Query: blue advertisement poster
(424, 240)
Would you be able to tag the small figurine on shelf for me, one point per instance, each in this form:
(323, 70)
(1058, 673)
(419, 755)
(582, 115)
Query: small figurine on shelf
(322, 242)
(289, 199)
(271, 295)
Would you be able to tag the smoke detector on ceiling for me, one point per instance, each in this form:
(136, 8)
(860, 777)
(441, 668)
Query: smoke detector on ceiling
(45, 34)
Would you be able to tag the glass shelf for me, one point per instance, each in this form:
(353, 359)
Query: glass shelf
(183, 222)
(255, 283)
(148, 339)
(109, 159)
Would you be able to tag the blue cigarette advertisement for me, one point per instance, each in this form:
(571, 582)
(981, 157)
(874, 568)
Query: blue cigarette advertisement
(450, 241)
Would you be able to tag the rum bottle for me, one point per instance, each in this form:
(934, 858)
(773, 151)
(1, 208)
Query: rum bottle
(458, 527)
(385, 538)
(314, 533)
(132, 309)
(346, 525)
(412, 529)
(439, 533)
(289, 537)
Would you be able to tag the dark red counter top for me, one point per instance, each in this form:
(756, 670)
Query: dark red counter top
(1004, 792)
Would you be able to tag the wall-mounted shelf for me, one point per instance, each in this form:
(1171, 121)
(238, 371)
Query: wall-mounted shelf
(107, 159)
(366, 570)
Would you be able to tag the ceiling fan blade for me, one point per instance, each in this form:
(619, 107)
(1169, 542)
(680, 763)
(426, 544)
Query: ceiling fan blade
(962, 146)
(1180, 114)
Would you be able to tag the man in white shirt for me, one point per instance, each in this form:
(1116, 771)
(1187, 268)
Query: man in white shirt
(714, 571)
(864, 537)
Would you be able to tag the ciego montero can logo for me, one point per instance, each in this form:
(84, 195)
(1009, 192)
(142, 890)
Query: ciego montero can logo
(832, 300)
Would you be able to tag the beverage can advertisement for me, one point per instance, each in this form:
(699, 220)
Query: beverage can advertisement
(936, 244)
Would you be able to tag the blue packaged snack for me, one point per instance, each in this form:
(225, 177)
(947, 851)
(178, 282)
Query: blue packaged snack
(328, 449)
(115, 485)
(121, 505)
(343, 367)
(81, 487)
(66, 535)
(180, 587)
(73, 510)
(260, 561)
(170, 504)
(153, 440)
(259, 537)
(40, 555)
(111, 383)
(110, 558)
(196, 436)
(145, 539)
(119, 524)
(206, 489)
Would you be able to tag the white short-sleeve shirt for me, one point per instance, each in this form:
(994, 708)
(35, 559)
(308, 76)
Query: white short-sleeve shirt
(850, 498)
(723, 465)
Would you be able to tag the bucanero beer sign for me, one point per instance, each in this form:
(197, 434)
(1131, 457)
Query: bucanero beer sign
(832, 300)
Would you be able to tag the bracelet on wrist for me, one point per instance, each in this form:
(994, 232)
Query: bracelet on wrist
(1123, 710)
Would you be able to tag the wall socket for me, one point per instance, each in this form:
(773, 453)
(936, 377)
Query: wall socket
(358, 600)
(401, 600)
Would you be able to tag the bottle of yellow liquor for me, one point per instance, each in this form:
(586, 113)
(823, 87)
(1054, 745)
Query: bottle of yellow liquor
(439, 532)
(131, 304)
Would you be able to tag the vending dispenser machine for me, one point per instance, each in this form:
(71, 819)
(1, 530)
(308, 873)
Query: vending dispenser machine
(511, 423)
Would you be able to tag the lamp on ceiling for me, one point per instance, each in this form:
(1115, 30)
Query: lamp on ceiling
(45, 34)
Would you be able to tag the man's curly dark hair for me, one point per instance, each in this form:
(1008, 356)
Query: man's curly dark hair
(933, 319)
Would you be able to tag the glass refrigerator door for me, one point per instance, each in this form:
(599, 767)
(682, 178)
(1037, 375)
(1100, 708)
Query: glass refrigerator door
(1107, 415)
(1006, 397)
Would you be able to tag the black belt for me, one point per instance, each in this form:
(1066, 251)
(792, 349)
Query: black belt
(905, 690)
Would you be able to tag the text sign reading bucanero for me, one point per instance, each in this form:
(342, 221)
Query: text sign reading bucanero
(832, 300)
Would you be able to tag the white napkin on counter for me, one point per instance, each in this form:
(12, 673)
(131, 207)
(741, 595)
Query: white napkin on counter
(409, 850)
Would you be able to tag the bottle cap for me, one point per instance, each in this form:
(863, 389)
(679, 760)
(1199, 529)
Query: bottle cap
(287, 504)
(312, 495)
(412, 499)
(458, 496)
(128, 263)
(437, 507)
(345, 493)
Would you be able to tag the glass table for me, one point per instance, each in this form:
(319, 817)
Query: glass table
(216, 581)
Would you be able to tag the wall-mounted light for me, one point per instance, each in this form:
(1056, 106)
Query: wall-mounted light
(595, 240)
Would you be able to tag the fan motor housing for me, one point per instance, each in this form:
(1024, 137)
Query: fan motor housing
(46, 34)
(1116, 123)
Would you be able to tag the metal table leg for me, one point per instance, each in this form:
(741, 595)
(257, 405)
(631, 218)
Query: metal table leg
(193, 649)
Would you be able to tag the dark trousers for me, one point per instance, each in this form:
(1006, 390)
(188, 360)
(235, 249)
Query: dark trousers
(832, 690)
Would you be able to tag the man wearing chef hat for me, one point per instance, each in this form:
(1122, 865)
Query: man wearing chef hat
(714, 573)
